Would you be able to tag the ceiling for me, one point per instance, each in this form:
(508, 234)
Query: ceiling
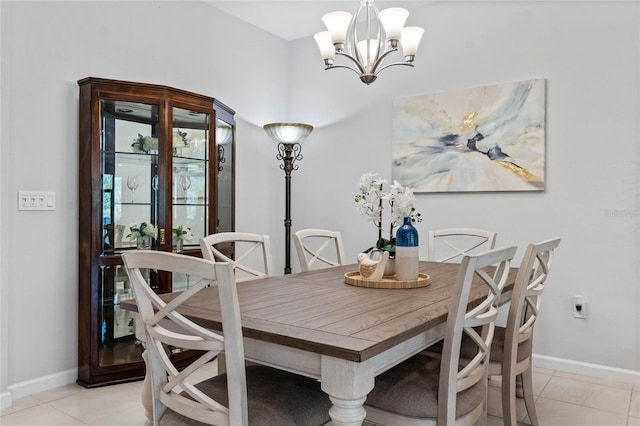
(292, 19)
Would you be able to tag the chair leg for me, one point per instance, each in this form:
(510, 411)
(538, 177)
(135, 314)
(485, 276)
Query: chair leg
(509, 414)
(482, 421)
(529, 399)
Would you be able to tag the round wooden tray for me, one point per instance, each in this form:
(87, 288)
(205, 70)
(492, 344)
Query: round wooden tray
(354, 278)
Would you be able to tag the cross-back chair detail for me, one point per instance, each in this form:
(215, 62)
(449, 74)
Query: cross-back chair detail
(247, 246)
(458, 242)
(164, 326)
(430, 390)
(180, 396)
(516, 342)
(318, 245)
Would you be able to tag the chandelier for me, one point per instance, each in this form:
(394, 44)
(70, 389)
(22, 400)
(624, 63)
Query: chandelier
(358, 38)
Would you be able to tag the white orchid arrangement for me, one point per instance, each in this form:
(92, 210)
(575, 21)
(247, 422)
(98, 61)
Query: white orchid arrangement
(182, 233)
(141, 229)
(371, 202)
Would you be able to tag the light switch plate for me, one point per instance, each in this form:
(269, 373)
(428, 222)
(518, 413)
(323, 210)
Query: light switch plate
(36, 200)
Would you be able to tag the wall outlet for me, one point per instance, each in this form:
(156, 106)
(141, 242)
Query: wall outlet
(579, 307)
(36, 200)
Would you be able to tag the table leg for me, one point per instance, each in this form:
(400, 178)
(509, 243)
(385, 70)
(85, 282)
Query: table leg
(347, 383)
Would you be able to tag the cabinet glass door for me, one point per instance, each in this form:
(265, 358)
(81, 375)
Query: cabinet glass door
(129, 170)
(190, 182)
(117, 343)
(129, 150)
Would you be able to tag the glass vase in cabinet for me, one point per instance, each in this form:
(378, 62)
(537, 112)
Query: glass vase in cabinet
(156, 172)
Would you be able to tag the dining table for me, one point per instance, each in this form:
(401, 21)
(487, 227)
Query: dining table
(316, 325)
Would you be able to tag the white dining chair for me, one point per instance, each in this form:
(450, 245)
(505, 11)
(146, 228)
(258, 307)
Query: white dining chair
(249, 254)
(318, 245)
(511, 350)
(447, 245)
(256, 395)
(439, 390)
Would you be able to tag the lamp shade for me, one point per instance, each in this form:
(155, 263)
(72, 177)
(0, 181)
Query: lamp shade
(337, 23)
(393, 20)
(410, 40)
(224, 134)
(327, 49)
(368, 56)
(288, 132)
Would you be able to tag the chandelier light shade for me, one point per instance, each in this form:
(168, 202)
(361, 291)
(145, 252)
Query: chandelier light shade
(288, 132)
(358, 38)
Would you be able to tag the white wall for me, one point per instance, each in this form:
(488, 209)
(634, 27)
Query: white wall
(588, 51)
(4, 317)
(589, 54)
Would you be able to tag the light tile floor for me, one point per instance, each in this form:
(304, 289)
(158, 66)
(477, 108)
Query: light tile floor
(562, 399)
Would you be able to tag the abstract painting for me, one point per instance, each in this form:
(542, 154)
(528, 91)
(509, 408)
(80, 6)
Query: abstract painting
(489, 138)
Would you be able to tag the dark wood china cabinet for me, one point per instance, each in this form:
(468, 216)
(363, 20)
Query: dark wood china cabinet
(154, 161)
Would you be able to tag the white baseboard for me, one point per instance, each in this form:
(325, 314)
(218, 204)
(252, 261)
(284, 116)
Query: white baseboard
(40, 384)
(587, 369)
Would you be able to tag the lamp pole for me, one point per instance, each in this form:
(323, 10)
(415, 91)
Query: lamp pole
(288, 153)
(288, 136)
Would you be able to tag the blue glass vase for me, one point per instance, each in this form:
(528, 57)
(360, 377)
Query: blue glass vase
(407, 260)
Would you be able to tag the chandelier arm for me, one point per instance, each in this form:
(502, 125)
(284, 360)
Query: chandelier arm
(344, 66)
(390, 65)
(378, 62)
(354, 60)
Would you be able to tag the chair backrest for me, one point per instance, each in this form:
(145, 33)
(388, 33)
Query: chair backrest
(446, 245)
(527, 295)
(165, 327)
(319, 245)
(477, 322)
(251, 257)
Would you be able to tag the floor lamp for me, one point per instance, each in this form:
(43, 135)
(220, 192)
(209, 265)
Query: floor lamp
(288, 136)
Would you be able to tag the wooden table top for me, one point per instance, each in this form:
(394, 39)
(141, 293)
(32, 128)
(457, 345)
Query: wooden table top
(316, 311)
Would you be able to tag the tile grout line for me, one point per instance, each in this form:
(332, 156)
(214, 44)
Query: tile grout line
(48, 404)
(8, 411)
(545, 386)
(629, 407)
(585, 406)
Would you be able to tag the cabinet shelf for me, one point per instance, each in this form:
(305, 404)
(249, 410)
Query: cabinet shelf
(151, 156)
(190, 204)
(174, 178)
(180, 159)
